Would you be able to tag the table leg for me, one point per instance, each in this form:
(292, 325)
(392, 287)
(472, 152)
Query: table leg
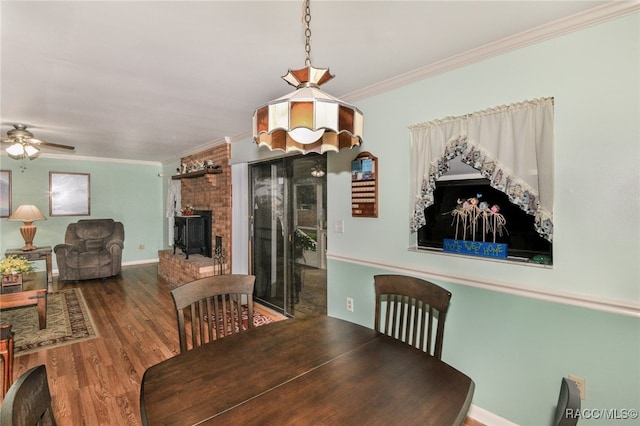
(42, 310)
(49, 273)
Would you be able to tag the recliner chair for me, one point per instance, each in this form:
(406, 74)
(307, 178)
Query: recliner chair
(92, 249)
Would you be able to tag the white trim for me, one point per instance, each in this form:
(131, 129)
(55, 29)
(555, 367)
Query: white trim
(487, 417)
(591, 17)
(240, 218)
(56, 272)
(618, 307)
(204, 147)
(87, 158)
(140, 262)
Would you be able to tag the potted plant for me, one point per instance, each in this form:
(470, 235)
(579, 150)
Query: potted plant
(11, 269)
(301, 242)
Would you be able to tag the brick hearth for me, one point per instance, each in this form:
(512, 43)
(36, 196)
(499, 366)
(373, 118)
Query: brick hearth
(176, 269)
(208, 192)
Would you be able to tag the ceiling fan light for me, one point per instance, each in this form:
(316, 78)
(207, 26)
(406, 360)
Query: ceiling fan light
(31, 150)
(15, 150)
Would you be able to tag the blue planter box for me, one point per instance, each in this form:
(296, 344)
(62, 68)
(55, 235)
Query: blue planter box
(475, 248)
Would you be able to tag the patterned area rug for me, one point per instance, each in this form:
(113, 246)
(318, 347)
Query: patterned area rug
(258, 318)
(68, 321)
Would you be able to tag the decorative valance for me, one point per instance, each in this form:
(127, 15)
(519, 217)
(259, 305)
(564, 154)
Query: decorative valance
(511, 145)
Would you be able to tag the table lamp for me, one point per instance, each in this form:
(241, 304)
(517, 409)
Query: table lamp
(27, 213)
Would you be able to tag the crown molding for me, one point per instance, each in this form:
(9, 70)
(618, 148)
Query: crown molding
(588, 18)
(206, 146)
(88, 158)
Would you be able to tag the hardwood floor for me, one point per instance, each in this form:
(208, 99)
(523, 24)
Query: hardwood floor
(97, 382)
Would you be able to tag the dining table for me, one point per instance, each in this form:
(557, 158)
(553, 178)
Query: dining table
(317, 370)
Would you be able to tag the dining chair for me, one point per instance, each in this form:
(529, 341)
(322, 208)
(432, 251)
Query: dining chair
(6, 353)
(568, 408)
(213, 307)
(28, 401)
(406, 309)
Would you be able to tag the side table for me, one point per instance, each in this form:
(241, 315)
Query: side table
(40, 253)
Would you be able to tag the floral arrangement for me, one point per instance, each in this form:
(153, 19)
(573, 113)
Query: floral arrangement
(187, 211)
(476, 217)
(15, 265)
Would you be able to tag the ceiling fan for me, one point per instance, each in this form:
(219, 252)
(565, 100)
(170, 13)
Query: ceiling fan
(24, 145)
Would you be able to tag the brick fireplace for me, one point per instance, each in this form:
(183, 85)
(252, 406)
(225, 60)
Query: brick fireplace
(207, 192)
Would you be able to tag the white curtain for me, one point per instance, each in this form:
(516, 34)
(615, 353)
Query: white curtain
(510, 145)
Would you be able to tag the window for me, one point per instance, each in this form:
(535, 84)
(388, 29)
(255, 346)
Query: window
(511, 148)
(517, 232)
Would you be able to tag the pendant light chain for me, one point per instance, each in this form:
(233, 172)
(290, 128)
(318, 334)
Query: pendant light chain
(307, 120)
(307, 32)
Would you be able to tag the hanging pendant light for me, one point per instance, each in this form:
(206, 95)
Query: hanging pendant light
(308, 119)
(317, 171)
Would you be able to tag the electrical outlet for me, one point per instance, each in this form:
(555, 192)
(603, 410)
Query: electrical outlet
(579, 381)
(141, 247)
(338, 226)
(349, 304)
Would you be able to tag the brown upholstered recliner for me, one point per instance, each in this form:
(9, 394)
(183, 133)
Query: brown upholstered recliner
(92, 249)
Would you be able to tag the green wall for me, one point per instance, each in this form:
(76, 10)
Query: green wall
(517, 348)
(518, 329)
(129, 192)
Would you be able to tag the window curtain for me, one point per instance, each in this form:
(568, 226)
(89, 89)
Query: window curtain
(510, 145)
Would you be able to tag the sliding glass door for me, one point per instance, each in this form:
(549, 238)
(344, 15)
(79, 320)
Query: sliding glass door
(288, 234)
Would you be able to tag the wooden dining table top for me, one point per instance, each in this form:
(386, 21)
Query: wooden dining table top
(317, 370)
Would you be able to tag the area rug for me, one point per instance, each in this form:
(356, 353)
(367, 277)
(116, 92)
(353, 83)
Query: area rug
(68, 321)
(258, 318)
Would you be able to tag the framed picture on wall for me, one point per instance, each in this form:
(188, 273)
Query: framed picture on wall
(69, 194)
(5, 193)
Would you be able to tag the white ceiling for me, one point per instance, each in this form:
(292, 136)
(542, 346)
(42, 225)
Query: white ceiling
(154, 80)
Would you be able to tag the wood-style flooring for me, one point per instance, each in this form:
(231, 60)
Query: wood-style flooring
(97, 382)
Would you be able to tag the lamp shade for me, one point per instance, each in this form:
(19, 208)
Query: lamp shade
(26, 213)
(308, 119)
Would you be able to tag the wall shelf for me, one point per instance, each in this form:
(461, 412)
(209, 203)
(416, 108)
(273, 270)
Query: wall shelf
(207, 171)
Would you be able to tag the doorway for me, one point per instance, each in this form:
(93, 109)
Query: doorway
(289, 234)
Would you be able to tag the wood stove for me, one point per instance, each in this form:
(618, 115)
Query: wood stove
(192, 234)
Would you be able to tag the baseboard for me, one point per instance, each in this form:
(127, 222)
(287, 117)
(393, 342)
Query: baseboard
(487, 417)
(140, 262)
(56, 272)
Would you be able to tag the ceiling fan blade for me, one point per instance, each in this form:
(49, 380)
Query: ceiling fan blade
(56, 145)
(20, 134)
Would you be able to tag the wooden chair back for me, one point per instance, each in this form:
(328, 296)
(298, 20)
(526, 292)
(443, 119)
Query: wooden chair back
(211, 308)
(568, 408)
(406, 309)
(28, 401)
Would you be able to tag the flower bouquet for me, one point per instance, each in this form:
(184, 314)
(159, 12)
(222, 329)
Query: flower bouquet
(11, 269)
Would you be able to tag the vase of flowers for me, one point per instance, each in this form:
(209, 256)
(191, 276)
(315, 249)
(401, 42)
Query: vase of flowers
(12, 269)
